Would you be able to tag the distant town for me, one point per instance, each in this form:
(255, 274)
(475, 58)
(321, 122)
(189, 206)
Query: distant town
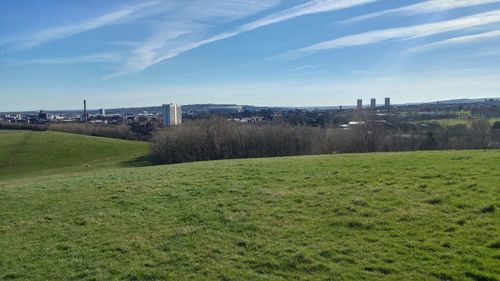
(341, 116)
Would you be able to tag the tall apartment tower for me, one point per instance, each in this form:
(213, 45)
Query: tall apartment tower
(360, 104)
(172, 114)
(373, 103)
(387, 102)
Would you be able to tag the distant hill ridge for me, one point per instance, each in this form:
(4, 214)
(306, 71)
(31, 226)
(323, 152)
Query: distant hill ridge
(205, 107)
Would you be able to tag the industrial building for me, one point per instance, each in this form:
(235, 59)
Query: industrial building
(43, 116)
(172, 114)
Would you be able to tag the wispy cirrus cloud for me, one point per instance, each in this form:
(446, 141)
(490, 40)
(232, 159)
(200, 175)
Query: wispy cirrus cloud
(178, 27)
(300, 68)
(455, 41)
(431, 6)
(312, 7)
(61, 32)
(95, 58)
(152, 53)
(183, 30)
(400, 33)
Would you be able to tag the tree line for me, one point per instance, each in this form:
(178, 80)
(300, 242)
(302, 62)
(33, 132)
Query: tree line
(109, 131)
(217, 138)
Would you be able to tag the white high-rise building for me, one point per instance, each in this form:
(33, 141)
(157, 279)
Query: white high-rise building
(172, 114)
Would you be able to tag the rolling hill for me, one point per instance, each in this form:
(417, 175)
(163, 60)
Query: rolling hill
(26, 153)
(382, 216)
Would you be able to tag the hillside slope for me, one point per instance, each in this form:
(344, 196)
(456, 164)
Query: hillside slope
(27, 153)
(392, 216)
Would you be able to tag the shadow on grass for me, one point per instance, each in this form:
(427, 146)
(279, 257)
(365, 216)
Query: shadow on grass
(141, 161)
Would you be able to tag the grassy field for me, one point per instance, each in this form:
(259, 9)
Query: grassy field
(384, 216)
(456, 121)
(26, 153)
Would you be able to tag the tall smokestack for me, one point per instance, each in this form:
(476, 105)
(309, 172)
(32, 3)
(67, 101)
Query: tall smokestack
(84, 110)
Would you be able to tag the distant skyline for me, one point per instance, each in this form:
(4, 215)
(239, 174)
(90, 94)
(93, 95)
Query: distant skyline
(125, 53)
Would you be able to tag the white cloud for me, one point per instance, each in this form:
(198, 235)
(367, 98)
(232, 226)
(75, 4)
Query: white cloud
(424, 7)
(301, 68)
(409, 32)
(95, 58)
(312, 7)
(57, 33)
(159, 52)
(143, 55)
(456, 41)
(224, 10)
(182, 30)
(180, 26)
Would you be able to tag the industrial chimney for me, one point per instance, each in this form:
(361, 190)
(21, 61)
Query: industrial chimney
(84, 110)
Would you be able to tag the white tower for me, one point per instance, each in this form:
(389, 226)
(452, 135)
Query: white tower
(172, 114)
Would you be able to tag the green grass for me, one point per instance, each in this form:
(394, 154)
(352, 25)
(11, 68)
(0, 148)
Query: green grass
(456, 121)
(384, 216)
(26, 153)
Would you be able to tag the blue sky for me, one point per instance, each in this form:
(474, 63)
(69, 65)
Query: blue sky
(123, 53)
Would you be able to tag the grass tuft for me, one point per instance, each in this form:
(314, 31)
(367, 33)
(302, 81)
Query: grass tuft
(494, 245)
(476, 276)
(442, 276)
(434, 201)
(488, 209)
(379, 269)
